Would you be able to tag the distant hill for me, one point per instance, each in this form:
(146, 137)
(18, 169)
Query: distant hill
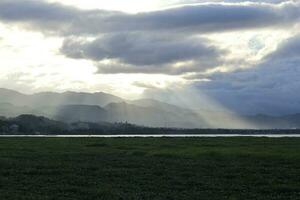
(12, 97)
(152, 115)
(113, 112)
(10, 110)
(157, 104)
(56, 99)
(85, 113)
(33, 124)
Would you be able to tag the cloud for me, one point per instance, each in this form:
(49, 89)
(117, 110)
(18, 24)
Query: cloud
(163, 41)
(54, 18)
(202, 18)
(231, 1)
(270, 87)
(137, 50)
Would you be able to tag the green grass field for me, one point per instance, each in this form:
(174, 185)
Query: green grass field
(149, 168)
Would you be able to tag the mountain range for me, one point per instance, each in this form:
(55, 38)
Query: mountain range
(102, 107)
(97, 107)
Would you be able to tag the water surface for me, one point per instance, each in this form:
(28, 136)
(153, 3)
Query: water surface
(159, 135)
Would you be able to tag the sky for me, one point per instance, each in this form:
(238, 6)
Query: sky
(240, 56)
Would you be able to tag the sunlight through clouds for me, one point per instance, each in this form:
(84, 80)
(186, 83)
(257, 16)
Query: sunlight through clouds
(41, 67)
(247, 48)
(146, 45)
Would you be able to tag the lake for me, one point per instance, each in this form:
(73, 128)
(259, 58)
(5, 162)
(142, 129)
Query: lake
(159, 135)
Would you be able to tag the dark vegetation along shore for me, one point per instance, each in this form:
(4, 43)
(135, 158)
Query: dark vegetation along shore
(34, 125)
(149, 168)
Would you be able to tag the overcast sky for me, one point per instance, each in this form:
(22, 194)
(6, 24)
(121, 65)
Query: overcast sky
(242, 55)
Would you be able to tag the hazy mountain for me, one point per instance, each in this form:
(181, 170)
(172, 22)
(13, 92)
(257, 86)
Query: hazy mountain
(156, 116)
(113, 112)
(100, 99)
(159, 105)
(56, 99)
(84, 113)
(12, 97)
(72, 106)
(10, 110)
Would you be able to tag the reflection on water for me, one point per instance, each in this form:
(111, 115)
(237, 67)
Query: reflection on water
(159, 136)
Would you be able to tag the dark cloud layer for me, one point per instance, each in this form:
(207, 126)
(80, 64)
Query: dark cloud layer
(289, 50)
(142, 49)
(201, 18)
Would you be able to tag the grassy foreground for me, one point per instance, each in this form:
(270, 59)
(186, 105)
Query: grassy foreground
(149, 168)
